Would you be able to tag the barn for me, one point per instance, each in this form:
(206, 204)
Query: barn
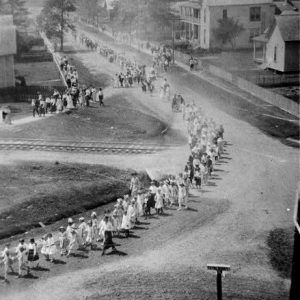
(8, 49)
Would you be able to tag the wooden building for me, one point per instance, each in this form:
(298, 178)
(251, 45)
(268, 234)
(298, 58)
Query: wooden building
(281, 43)
(8, 49)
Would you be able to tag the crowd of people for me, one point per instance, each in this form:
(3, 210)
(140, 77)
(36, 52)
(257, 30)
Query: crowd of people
(131, 73)
(72, 97)
(206, 141)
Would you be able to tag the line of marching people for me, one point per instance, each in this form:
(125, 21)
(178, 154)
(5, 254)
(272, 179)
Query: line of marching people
(131, 73)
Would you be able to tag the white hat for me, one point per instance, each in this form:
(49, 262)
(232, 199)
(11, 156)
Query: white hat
(94, 214)
(81, 219)
(70, 220)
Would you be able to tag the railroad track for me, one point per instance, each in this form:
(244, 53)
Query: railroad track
(81, 146)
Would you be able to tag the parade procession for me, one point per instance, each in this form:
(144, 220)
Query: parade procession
(149, 149)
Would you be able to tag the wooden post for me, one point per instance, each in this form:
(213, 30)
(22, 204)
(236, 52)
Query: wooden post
(219, 285)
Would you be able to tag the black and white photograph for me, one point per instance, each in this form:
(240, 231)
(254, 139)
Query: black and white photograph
(149, 150)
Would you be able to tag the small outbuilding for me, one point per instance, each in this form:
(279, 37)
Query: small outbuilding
(281, 43)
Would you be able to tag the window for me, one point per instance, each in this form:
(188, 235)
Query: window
(204, 37)
(204, 17)
(255, 14)
(275, 54)
(196, 32)
(196, 13)
(224, 14)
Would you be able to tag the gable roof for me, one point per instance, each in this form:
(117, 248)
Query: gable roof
(288, 25)
(236, 2)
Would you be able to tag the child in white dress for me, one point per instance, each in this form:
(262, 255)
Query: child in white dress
(7, 261)
(81, 232)
(51, 247)
(90, 237)
(72, 239)
(95, 223)
(21, 251)
(63, 240)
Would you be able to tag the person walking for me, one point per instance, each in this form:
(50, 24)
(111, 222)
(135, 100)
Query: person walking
(101, 97)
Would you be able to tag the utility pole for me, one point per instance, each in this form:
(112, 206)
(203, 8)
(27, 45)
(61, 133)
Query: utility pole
(62, 26)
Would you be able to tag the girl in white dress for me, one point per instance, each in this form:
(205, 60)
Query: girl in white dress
(63, 240)
(21, 251)
(45, 249)
(181, 195)
(95, 224)
(51, 247)
(81, 232)
(140, 204)
(72, 239)
(126, 224)
(159, 202)
(7, 261)
(90, 237)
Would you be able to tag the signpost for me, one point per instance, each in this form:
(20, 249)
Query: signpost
(219, 268)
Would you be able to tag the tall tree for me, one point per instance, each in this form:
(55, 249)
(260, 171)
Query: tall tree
(17, 8)
(55, 19)
(152, 18)
(228, 30)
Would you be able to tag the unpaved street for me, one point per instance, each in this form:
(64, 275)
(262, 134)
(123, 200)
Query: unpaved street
(229, 222)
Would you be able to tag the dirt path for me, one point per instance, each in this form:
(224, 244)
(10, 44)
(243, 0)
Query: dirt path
(249, 196)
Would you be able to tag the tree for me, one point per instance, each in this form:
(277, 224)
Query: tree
(17, 9)
(54, 19)
(151, 18)
(91, 11)
(228, 30)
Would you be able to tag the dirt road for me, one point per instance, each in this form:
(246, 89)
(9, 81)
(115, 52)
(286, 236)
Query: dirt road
(229, 222)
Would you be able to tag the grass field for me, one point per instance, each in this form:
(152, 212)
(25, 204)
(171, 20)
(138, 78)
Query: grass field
(39, 73)
(93, 123)
(42, 192)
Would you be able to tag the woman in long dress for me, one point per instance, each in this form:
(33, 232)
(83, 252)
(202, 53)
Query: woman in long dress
(51, 247)
(108, 229)
(159, 202)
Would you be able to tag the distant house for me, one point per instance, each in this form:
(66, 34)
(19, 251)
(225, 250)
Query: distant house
(283, 5)
(8, 49)
(281, 43)
(199, 19)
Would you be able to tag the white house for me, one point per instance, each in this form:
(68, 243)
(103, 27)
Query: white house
(200, 18)
(281, 43)
(8, 49)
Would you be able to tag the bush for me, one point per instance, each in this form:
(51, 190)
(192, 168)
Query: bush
(25, 42)
(280, 242)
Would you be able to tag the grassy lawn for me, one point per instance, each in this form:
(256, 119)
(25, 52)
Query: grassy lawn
(119, 120)
(39, 73)
(43, 192)
(280, 242)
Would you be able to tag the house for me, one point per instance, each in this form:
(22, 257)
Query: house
(283, 5)
(199, 19)
(8, 49)
(281, 43)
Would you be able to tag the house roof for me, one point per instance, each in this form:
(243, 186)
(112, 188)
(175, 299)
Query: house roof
(288, 25)
(236, 2)
(285, 5)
